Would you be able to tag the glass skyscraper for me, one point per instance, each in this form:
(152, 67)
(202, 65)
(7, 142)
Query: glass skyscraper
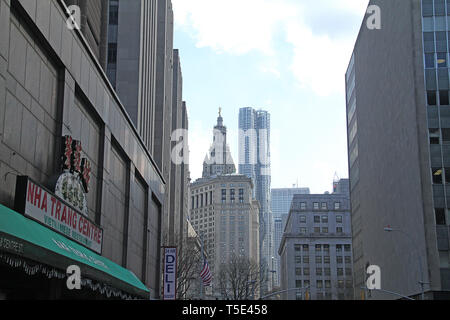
(254, 162)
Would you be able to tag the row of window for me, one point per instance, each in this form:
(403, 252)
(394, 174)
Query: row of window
(321, 272)
(436, 7)
(202, 200)
(323, 219)
(324, 259)
(325, 247)
(320, 206)
(307, 284)
(322, 230)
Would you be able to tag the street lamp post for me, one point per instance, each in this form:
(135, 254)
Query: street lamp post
(421, 282)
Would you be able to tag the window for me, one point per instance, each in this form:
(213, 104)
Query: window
(298, 271)
(443, 98)
(324, 219)
(298, 259)
(441, 60)
(429, 60)
(302, 219)
(440, 216)
(339, 260)
(348, 284)
(326, 248)
(305, 248)
(316, 206)
(337, 205)
(434, 136)
(318, 247)
(340, 272)
(297, 247)
(348, 259)
(306, 271)
(327, 271)
(319, 284)
(441, 41)
(224, 195)
(447, 175)
(431, 98)
(437, 175)
(439, 7)
(241, 195)
(316, 229)
(298, 283)
(339, 230)
(340, 283)
(302, 205)
(327, 284)
(428, 38)
(445, 136)
(319, 259)
(318, 271)
(326, 259)
(316, 219)
(303, 230)
(347, 248)
(324, 206)
(232, 195)
(306, 259)
(348, 271)
(325, 230)
(338, 248)
(338, 219)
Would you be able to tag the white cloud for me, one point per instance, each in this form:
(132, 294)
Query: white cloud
(240, 26)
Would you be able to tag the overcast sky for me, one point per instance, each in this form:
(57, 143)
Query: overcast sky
(288, 57)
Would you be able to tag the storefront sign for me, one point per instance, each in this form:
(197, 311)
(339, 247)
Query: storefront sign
(170, 273)
(36, 202)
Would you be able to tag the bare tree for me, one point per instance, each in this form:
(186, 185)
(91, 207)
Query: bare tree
(188, 268)
(240, 278)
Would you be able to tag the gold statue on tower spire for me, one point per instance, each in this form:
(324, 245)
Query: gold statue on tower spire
(220, 111)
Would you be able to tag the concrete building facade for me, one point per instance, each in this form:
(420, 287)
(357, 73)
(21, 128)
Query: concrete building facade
(316, 249)
(225, 213)
(52, 85)
(280, 203)
(398, 122)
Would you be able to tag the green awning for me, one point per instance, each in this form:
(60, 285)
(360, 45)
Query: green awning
(24, 237)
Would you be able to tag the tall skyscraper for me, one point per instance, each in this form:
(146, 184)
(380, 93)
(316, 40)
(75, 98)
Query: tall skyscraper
(398, 116)
(280, 203)
(254, 162)
(224, 210)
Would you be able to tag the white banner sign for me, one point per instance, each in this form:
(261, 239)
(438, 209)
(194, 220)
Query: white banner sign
(170, 273)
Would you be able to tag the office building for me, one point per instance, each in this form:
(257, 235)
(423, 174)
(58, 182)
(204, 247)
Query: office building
(254, 162)
(316, 249)
(94, 25)
(280, 203)
(131, 65)
(66, 139)
(398, 115)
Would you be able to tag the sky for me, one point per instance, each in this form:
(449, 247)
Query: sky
(288, 57)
